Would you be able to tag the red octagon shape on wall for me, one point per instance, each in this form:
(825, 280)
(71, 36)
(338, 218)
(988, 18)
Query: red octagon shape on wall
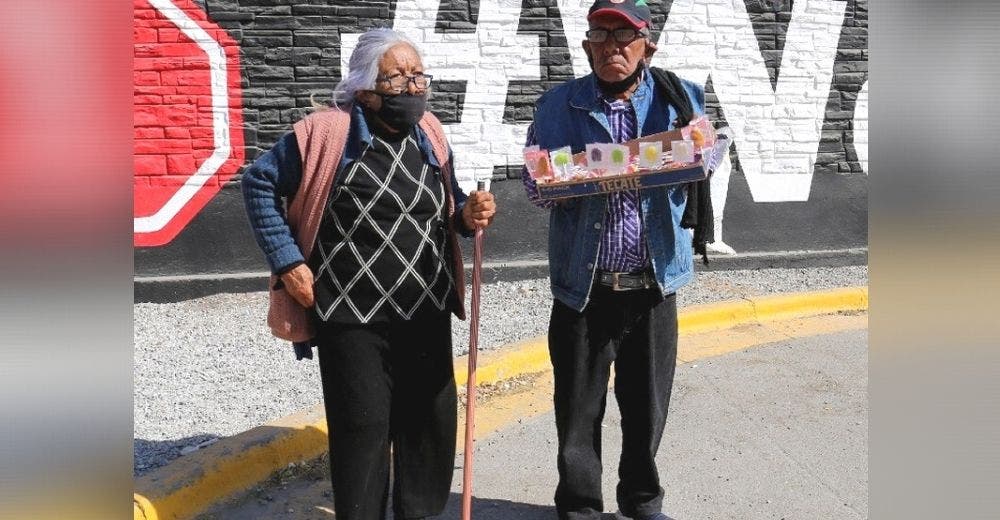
(187, 115)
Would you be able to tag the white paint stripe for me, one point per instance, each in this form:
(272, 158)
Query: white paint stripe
(220, 119)
(860, 141)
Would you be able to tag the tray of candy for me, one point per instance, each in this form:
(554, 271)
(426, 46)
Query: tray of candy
(678, 156)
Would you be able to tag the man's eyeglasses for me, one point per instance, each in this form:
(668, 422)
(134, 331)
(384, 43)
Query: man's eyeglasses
(623, 35)
(399, 82)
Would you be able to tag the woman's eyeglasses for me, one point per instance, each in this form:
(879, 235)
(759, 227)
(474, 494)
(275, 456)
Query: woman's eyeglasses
(399, 82)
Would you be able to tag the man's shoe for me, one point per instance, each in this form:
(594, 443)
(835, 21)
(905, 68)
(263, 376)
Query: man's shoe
(657, 516)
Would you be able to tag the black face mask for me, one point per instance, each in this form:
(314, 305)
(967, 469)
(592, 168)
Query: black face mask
(401, 111)
(612, 88)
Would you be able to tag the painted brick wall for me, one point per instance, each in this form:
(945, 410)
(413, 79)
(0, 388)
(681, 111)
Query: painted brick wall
(179, 119)
(291, 49)
(790, 78)
(171, 87)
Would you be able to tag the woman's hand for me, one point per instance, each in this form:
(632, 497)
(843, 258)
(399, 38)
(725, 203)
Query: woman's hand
(479, 210)
(299, 284)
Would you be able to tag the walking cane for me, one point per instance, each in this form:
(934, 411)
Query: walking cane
(470, 384)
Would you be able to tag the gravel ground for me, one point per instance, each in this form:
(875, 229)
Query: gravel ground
(208, 368)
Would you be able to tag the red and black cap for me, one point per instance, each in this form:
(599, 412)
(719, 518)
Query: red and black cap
(635, 11)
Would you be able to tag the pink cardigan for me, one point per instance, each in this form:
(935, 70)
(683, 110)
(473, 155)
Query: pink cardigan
(321, 137)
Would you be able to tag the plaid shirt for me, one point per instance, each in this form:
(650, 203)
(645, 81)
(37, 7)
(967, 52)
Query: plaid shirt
(623, 243)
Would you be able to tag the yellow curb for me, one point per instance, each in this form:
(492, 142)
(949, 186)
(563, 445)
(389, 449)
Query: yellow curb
(142, 508)
(191, 484)
(524, 357)
(716, 316)
(532, 356)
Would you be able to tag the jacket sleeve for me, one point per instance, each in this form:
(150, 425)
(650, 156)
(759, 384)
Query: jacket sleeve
(530, 186)
(273, 178)
(460, 200)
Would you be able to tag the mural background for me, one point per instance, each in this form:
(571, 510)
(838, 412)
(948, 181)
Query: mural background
(790, 78)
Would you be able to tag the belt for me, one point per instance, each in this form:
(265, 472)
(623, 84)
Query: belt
(626, 281)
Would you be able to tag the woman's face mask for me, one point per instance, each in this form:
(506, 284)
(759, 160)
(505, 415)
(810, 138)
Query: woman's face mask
(401, 111)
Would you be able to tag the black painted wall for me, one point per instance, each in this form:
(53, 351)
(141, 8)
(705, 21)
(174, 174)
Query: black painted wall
(290, 49)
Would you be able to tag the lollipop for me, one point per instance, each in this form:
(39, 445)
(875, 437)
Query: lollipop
(651, 154)
(562, 162)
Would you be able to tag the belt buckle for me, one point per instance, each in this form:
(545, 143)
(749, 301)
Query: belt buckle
(614, 282)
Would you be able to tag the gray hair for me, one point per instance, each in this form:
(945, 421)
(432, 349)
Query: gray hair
(362, 69)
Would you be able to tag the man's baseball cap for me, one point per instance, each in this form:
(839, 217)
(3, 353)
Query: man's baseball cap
(635, 11)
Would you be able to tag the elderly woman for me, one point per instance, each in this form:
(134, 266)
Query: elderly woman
(380, 274)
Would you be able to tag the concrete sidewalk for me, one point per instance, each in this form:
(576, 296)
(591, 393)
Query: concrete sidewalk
(774, 431)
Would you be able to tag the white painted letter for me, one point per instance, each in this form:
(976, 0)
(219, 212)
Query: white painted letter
(487, 61)
(777, 133)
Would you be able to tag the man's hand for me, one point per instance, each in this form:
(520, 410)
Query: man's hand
(479, 210)
(299, 283)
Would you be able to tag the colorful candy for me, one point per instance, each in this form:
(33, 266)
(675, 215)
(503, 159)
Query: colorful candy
(650, 154)
(562, 162)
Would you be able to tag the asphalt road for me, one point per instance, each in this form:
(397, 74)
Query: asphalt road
(775, 431)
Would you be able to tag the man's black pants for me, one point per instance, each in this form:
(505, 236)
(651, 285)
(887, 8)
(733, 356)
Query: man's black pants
(637, 331)
(390, 386)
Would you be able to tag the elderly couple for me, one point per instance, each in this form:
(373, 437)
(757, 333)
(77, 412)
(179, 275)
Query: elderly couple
(367, 249)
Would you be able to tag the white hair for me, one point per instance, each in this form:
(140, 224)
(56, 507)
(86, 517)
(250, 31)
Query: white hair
(362, 69)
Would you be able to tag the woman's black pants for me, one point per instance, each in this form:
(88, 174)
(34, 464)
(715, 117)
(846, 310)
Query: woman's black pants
(389, 393)
(637, 332)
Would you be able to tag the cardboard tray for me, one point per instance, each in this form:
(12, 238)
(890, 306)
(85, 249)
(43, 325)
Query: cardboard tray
(693, 172)
(579, 188)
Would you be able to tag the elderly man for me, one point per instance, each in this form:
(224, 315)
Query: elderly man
(615, 262)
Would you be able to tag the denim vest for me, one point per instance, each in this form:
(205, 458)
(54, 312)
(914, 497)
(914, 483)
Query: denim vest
(571, 114)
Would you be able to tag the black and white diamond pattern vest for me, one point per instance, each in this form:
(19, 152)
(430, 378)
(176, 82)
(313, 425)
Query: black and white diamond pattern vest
(381, 251)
